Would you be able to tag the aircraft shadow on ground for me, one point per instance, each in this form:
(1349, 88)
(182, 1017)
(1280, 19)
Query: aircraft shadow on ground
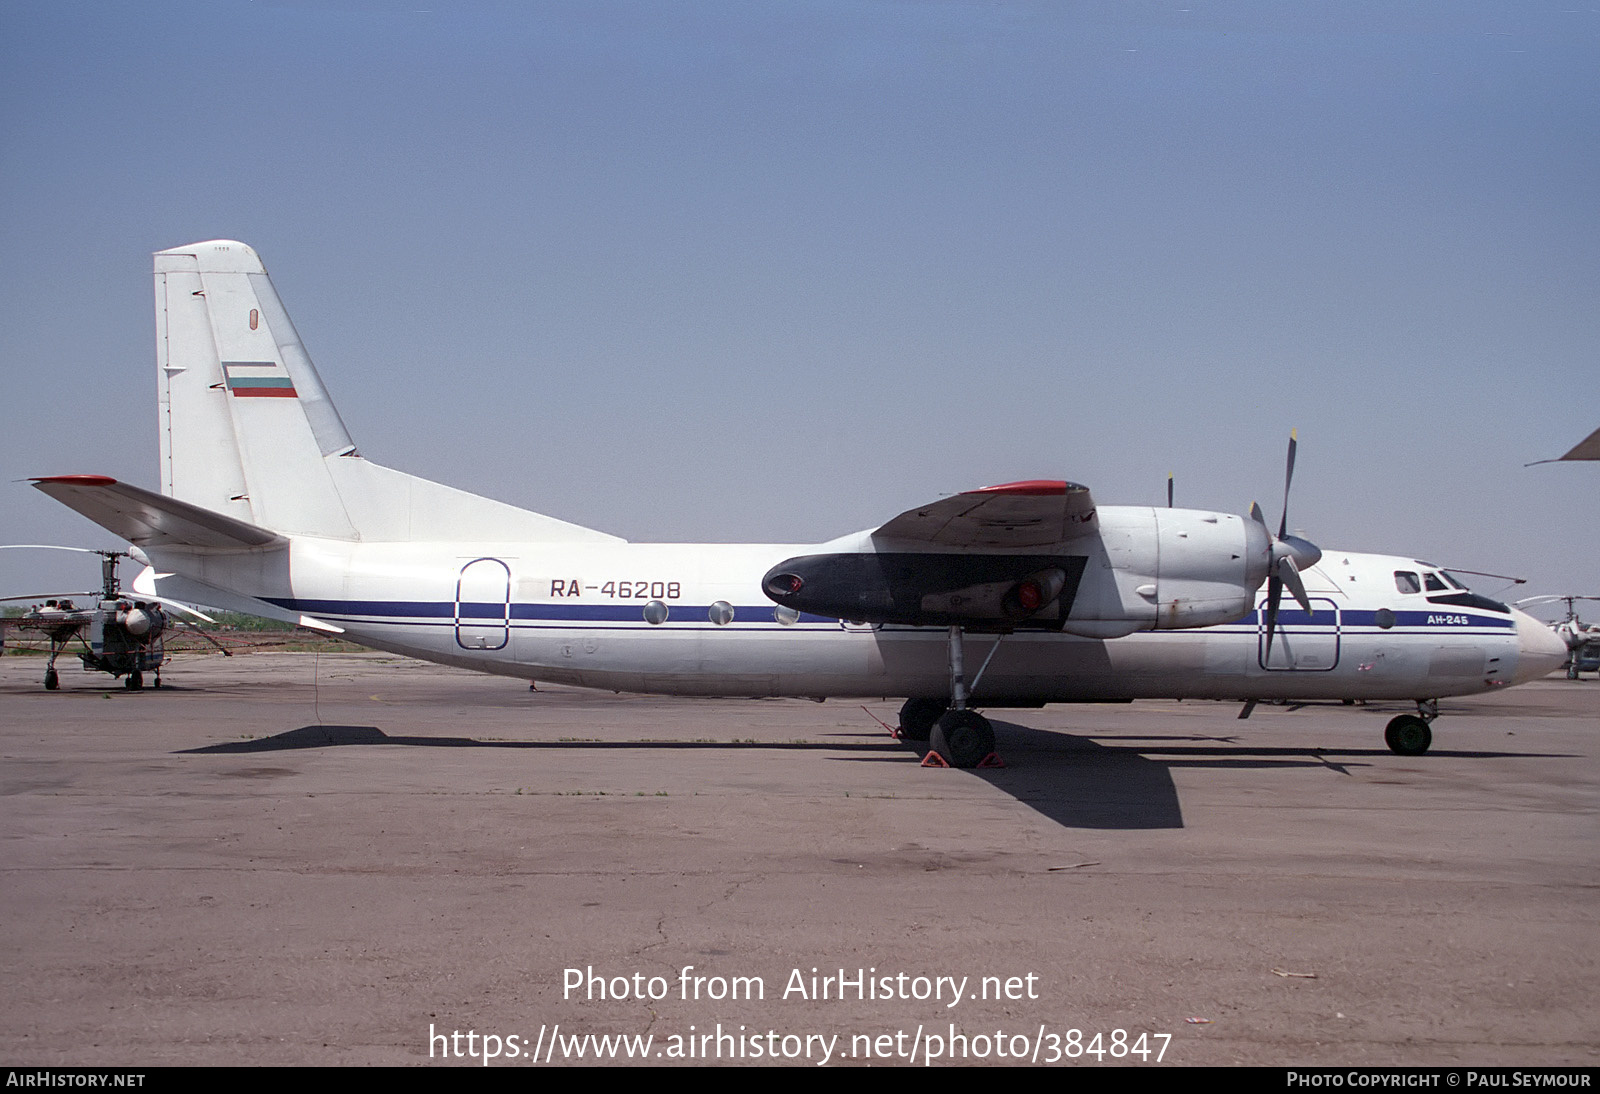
(1084, 782)
(327, 736)
(1076, 781)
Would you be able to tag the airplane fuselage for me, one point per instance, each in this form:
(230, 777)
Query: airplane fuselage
(692, 619)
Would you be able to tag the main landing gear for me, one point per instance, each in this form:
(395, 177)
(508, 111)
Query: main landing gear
(917, 717)
(1409, 735)
(961, 737)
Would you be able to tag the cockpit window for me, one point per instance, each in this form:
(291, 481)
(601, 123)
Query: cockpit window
(1407, 582)
(1448, 576)
(1434, 584)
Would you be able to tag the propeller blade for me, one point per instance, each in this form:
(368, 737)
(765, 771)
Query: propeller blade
(1288, 477)
(1169, 489)
(1274, 595)
(1290, 575)
(1288, 555)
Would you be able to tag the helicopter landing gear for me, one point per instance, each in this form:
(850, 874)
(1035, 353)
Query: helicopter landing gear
(52, 680)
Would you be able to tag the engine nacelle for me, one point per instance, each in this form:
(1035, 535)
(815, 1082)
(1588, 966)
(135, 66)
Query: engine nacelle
(1209, 567)
(1146, 569)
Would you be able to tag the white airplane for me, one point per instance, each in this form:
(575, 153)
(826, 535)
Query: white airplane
(266, 507)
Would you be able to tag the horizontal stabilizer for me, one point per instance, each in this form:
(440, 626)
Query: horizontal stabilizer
(148, 519)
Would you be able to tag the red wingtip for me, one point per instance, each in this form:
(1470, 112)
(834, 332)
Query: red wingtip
(1031, 487)
(79, 480)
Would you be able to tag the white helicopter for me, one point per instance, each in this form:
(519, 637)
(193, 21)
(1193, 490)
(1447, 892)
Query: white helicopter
(110, 631)
(267, 507)
(113, 633)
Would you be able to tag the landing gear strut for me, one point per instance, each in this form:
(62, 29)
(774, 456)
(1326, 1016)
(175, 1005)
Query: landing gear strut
(1409, 734)
(962, 737)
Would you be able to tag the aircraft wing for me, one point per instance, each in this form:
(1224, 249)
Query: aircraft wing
(1037, 513)
(148, 519)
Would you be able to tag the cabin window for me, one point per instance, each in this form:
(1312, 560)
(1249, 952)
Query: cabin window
(1407, 582)
(655, 613)
(720, 613)
(786, 615)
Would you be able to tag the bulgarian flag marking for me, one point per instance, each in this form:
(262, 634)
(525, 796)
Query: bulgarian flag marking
(258, 380)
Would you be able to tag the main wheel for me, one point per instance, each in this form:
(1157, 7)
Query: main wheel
(135, 680)
(1408, 735)
(917, 717)
(51, 680)
(963, 737)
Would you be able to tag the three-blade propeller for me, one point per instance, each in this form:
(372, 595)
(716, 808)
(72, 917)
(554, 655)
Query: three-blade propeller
(1290, 555)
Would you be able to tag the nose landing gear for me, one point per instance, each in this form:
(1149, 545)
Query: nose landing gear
(1409, 734)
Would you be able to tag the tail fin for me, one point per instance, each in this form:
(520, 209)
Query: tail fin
(248, 430)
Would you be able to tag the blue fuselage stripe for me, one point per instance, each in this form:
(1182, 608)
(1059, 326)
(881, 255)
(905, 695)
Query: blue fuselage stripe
(492, 614)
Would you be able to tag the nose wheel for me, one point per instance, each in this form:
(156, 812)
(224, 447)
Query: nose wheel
(1409, 734)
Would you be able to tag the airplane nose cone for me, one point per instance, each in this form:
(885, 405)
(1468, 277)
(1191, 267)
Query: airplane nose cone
(1540, 650)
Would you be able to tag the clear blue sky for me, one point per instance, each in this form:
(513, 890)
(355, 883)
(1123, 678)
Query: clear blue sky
(777, 271)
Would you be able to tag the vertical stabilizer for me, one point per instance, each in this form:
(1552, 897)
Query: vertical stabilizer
(245, 421)
(248, 430)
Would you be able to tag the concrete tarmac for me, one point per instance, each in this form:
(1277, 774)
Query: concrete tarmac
(298, 859)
